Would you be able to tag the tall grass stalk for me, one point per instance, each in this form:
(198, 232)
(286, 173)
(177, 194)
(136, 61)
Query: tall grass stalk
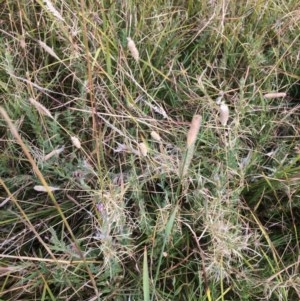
(149, 151)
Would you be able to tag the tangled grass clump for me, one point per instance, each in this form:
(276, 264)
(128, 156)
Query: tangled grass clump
(149, 150)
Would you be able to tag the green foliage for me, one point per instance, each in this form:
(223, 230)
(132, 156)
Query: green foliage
(125, 223)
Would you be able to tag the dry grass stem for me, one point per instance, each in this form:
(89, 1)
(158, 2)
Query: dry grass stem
(160, 125)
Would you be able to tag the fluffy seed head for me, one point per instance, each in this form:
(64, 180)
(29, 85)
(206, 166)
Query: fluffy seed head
(52, 10)
(132, 48)
(40, 108)
(193, 131)
(143, 149)
(76, 142)
(155, 136)
(275, 95)
(41, 188)
(48, 49)
(55, 152)
(224, 114)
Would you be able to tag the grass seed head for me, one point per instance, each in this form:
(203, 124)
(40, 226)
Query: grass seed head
(40, 108)
(224, 114)
(55, 152)
(143, 149)
(41, 188)
(52, 10)
(48, 49)
(155, 136)
(191, 139)
(76, 142)
(132, 48)
(193, 131)
(275, 95)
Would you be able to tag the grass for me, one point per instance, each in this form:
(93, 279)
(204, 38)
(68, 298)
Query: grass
(106, 191)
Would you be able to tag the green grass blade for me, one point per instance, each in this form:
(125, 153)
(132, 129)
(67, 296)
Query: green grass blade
(146, 280)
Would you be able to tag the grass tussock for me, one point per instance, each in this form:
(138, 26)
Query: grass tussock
(149, 150)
